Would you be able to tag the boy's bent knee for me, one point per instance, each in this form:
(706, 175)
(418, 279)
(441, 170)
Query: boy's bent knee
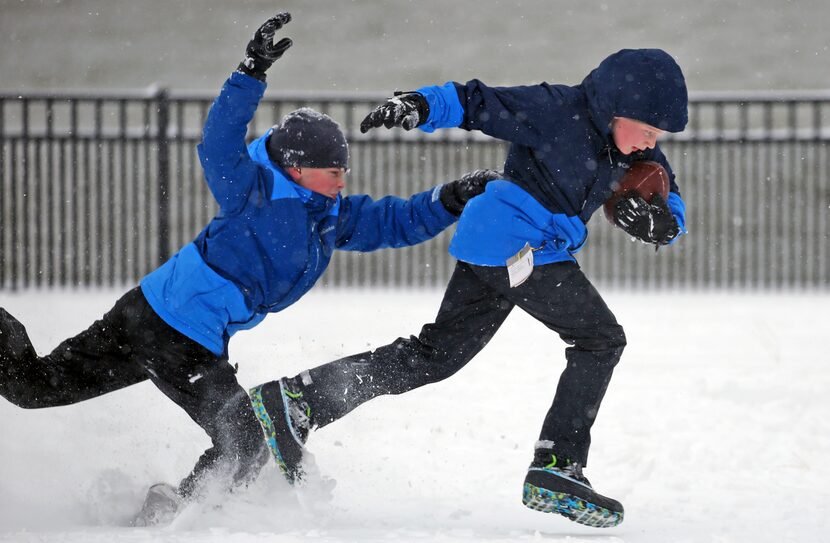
(606, 338)
(616, 337)
(414, 357)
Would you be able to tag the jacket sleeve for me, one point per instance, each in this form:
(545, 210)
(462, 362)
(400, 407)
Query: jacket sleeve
(368, 225)
(230, 173)
(516, 114)
(675, 202)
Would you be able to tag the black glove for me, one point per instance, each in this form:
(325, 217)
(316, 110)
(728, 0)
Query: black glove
(405, 109)
(649, 222)
(262, 51)
(455, 194)
(665, 227)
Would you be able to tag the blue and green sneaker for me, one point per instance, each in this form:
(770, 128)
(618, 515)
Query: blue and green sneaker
(556, 485)
(286, 421)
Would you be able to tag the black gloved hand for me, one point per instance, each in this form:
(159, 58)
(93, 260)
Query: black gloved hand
(455, 194)
(405, 109)
(649, 222)
(664, 225)
(262, 51)
(631, 213)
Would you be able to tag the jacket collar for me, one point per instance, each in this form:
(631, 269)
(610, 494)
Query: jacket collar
(313, 201)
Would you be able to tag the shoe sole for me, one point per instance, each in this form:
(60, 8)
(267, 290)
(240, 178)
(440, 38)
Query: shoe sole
(270, 433)
(569, 506)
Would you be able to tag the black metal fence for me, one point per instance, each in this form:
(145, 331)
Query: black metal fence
(96, 189)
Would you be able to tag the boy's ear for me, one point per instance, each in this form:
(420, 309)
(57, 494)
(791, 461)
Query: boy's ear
(295, 173)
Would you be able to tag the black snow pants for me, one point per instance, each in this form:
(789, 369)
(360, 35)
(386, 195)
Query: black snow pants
(131, 344)
(476, 302)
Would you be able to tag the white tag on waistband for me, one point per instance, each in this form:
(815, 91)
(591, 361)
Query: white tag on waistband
(520, 266)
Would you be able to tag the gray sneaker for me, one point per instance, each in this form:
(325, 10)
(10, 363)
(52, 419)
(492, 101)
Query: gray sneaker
(286, 421)
(161, 506)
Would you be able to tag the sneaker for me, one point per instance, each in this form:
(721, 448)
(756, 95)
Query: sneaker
(555, 485)
(160, 507)
(286, 420)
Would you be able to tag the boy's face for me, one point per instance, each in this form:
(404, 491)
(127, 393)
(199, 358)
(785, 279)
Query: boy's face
(326, 181)
(631, 136)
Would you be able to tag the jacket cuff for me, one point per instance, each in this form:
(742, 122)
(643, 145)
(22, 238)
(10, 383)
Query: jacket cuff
(678, 209)
(248, 81)
(445, 109)
(445, 215)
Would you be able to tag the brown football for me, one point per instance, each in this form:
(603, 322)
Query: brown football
(644, 177)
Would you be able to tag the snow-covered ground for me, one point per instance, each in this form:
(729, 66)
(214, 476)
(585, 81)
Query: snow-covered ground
(716, 428)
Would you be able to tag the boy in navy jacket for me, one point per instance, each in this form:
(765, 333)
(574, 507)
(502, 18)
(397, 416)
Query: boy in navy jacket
(280, 217)
(515, 246)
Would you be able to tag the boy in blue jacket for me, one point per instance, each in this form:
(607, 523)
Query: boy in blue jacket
(515, 246)
(281, 215)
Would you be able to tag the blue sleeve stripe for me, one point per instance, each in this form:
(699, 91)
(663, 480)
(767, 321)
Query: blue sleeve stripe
(445, 109)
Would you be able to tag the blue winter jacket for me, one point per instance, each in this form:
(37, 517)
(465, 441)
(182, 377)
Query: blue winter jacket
(562, 162)
(272, 239)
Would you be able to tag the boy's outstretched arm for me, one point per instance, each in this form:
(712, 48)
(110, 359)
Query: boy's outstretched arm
(229, 171)
(521, 114)
(368, 225)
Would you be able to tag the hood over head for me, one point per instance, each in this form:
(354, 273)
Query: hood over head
(646, 85)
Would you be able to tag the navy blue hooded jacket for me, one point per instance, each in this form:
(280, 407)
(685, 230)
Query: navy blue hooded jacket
(562, 162)
(272, 239)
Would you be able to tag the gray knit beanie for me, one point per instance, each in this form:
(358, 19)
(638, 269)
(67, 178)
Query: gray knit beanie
(307, 138)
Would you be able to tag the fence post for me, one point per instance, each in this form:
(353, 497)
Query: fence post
(162, 97)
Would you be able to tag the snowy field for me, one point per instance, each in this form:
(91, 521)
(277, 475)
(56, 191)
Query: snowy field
(716, 428)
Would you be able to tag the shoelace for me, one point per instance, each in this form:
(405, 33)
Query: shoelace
(572, 470)
(300, 414)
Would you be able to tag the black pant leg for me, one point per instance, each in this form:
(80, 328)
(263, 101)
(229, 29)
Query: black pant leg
(130, 344)
(92, 363)
(561, 297)
(469, 315)
(205, 386)
(223, 409)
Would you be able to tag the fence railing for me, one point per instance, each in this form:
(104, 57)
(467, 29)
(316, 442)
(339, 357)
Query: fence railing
(96, 189)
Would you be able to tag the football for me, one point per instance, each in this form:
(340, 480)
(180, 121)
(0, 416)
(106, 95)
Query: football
(646, 178)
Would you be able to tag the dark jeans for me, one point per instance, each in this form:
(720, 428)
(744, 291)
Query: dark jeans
(127, 346)
(476, 302)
